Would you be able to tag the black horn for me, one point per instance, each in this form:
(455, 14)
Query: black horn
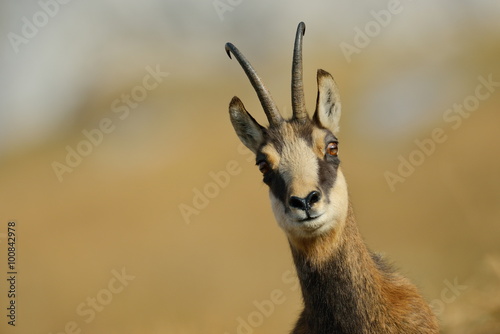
(298, 103)
(265, 98)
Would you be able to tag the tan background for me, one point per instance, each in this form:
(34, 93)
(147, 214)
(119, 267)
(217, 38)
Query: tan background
(119, 209)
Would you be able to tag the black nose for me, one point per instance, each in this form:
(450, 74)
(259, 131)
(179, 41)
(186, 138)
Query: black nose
(304, 204)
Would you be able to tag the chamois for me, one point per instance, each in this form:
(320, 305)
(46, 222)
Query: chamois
(345, 287)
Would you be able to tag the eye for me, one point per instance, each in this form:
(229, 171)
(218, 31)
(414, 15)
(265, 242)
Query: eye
(332, 149)
(263, 166)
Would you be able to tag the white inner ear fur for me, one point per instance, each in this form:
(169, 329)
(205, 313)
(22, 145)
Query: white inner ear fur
(328, 108)
(247, 129)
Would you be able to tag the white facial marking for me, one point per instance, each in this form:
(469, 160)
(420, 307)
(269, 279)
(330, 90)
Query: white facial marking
(332, 214)
(297, 163)
(299, 168)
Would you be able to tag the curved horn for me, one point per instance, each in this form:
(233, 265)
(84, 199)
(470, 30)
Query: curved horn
(265, 98)
(298, 103)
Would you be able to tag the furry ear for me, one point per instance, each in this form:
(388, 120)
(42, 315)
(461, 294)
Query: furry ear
(328, 107)
(248, 130)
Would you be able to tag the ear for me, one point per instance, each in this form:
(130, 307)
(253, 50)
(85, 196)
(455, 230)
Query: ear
(328, 105)
(248, 130)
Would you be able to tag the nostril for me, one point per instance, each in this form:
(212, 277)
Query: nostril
(297, 203)
(305, 204)
(313, 197)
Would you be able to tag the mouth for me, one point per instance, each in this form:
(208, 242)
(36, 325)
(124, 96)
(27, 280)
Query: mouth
(309, 218)
(310, 226)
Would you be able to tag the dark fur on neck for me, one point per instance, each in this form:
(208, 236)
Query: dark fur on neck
(353, 291)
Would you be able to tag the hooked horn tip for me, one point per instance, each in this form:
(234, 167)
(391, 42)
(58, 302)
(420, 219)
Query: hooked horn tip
(228, 47)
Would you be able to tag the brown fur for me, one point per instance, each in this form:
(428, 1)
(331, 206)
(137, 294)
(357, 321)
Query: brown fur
(347, 289)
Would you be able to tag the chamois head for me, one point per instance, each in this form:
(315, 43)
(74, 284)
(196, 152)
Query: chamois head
(298, 157)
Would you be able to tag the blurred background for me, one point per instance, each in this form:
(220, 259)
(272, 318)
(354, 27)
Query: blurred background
(138, 211)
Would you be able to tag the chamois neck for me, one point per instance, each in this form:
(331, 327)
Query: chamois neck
(342, 290)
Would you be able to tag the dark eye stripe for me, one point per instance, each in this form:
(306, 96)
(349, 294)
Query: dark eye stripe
(327, 173)
(277, 184)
